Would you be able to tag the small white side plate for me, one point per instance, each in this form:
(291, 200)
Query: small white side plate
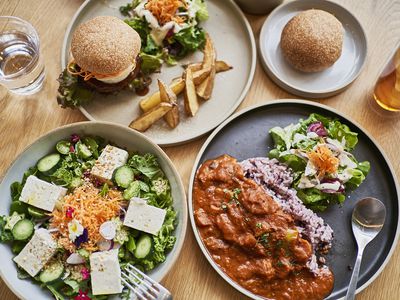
(234, 43)
(320, 84)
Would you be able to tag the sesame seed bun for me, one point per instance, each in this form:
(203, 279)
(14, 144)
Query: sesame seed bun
(312, 40)
(105, 45)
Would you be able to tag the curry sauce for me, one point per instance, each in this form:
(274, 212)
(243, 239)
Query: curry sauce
(250, 237)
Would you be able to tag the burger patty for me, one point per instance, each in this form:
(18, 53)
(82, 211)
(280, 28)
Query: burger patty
(108, 88)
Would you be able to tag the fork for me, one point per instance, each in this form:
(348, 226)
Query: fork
(142, 285)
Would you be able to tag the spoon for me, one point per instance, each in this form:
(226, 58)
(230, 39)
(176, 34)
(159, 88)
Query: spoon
(367, 220)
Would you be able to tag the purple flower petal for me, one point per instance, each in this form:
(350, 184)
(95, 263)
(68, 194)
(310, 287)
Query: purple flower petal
(83, 238)
(75, 138)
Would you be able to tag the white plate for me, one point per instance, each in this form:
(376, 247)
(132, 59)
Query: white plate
(234, 42)
(120, 135)
(320, 84)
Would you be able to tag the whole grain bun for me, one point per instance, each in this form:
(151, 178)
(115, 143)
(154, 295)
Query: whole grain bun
(312, 40)
(105, 45)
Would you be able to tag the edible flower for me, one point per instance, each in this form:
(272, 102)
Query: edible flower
(83, 238)
(85, 273)
(82, 296)
(69, 212)
(318, 128)
(71, 149)
(75, 229)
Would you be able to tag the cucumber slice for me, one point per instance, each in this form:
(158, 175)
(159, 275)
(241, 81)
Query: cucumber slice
(48, 164)
(133, 190)
(93, 146)
(63, 147)
(22, 230)
(35, 212)
(143, 246)
(19, 207)
(123, 176)
(52, 272)
(83, 150)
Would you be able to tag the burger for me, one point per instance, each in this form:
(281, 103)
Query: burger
(105, 58)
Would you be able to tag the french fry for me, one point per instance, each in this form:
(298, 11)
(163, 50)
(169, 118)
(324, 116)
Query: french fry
(220, 66)
(204, 89)
(201, 75)
(154, 99)
(149, 118)
(189, 94)
(168, 96)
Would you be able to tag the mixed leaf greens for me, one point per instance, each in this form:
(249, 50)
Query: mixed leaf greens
(78, 155)
(175, 44)
(318, 150)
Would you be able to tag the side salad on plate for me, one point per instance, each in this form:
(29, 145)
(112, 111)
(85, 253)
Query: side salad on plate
(169, 29)
(85, 211)
(318, 150)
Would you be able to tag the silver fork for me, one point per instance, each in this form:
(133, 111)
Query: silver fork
(142, 285)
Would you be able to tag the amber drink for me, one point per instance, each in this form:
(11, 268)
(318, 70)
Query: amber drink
(387, 88)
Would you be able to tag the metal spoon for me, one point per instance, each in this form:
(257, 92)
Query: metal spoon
(367, 220)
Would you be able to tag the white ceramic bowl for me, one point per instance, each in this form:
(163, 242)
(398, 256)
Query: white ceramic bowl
(120, 135)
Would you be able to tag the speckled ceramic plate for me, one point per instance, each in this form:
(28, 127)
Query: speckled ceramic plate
(234, 42)
(319, 84)
(120, 135)
(245, 135)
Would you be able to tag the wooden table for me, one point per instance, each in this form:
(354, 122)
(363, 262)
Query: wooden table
(24, 119)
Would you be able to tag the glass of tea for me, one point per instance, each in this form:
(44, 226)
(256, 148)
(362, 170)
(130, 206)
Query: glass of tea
(387, 88)
(21, 67)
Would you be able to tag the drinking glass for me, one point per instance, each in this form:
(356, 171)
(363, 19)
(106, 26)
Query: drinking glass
(387, 88)
(21, 67)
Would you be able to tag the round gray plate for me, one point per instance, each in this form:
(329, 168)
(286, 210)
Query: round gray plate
(245, 135)
(120, 135)
(234, 42)
(320, 84)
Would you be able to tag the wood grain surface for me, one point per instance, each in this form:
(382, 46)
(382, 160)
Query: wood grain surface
(24, 119)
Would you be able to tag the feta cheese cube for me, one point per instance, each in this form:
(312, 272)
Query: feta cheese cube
(41, 194)
(110, 159)
(37, 252)
(105, 272)
(144, 217)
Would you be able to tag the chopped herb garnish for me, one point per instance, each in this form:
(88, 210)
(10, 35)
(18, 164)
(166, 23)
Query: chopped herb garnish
(223, 206)
(258, 225)
(279, 263)
(236, 193)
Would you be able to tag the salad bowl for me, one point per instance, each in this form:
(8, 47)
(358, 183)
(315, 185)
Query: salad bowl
(114, 134)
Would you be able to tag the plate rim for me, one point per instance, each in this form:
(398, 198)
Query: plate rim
(184, 212)
(273, 103)
(303, 92)
(177, 141)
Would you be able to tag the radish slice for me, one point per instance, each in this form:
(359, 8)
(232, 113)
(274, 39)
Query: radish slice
(75, 259)
(105, 245)
(108, 230)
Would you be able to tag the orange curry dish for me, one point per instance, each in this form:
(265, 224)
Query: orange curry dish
(251, 238)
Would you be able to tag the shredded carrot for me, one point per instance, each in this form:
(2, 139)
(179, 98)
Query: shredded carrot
(91, 210)
(323, 158)
(165, 10)
(87, 75)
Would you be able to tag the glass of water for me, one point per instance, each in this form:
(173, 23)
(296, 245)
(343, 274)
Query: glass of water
(21, 67)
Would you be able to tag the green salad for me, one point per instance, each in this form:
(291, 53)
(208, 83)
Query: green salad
(318, 150)
(169, 29)
(85, 211)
